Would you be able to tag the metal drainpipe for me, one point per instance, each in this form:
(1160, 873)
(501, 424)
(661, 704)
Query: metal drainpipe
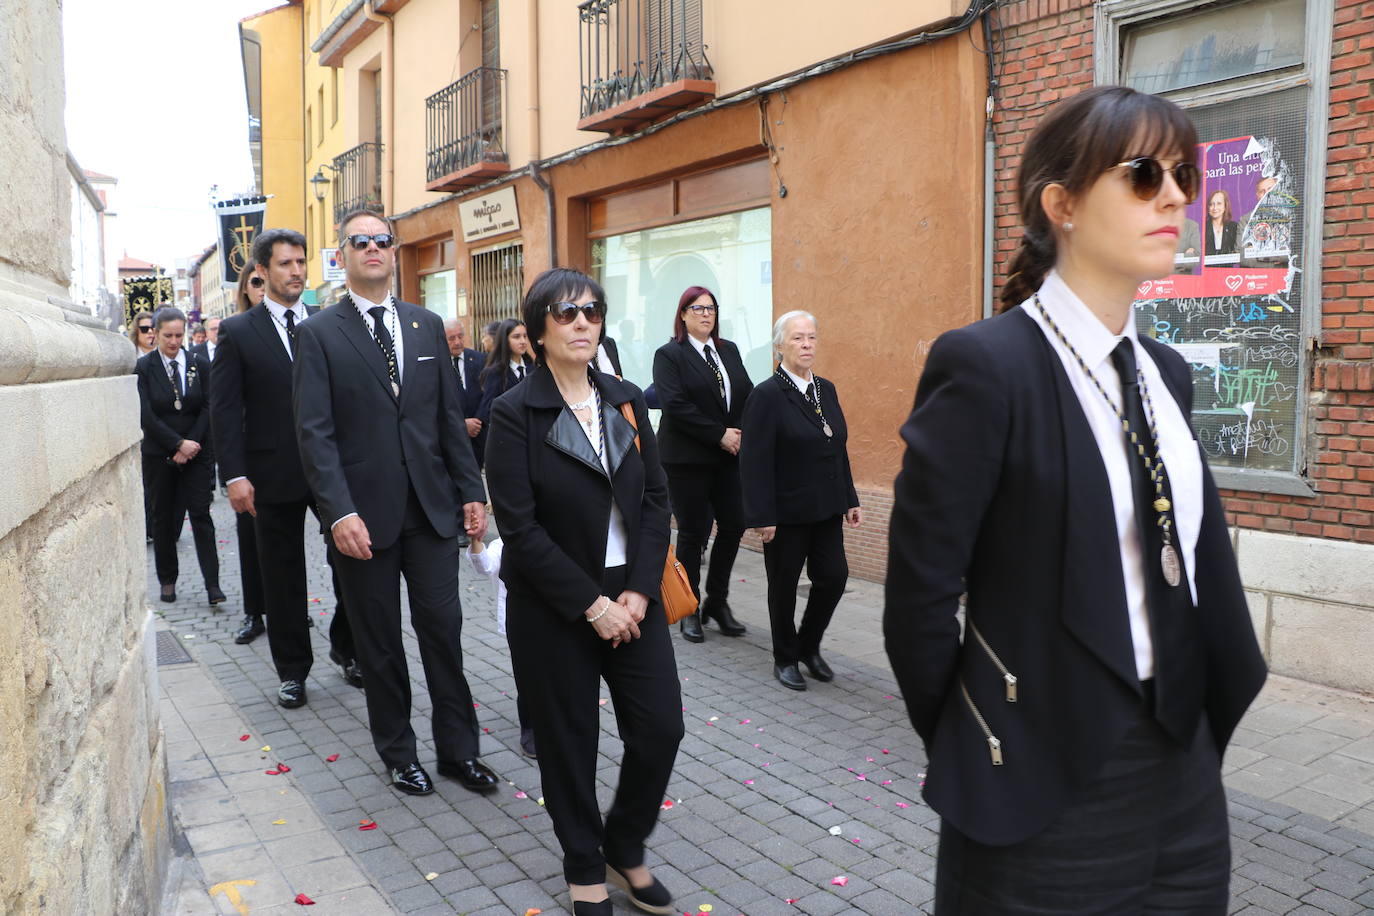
(390, 20)
(532, 97)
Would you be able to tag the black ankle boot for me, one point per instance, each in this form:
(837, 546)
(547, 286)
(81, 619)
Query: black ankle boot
(691, 628)
(725, 619)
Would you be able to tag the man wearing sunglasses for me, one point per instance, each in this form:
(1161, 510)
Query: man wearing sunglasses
(260, 462)
(385, 446)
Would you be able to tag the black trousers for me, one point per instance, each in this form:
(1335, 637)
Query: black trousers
(373, 592)
(149, 468)
(559, 667)
(1148, 836)
(819, 547)
(250, 574)
(701, 494)
(179, 488)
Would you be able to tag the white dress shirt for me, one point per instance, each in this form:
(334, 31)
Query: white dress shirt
(515, 367)
(181, 366)
(278, 313)
(616, 536)
(603, 361)
(393, 325)
(488, 563)
(800, 382)
(1177, 448)
(210, 348)
(700, 347)
(458, 364)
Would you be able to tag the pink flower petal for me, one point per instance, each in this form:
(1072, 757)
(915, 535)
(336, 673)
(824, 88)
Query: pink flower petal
(521, 795)
(839, 880)
(903, 805)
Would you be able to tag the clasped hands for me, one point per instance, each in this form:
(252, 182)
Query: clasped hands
(186, 450)
(620, 621)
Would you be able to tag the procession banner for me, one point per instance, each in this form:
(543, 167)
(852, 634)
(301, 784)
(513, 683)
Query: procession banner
(240, 221)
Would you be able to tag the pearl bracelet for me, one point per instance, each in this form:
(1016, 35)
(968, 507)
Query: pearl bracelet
(600, 615)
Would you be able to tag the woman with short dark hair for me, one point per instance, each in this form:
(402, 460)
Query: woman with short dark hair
(1075, 733)
(583, 509)
(702, 387)
(174, 397)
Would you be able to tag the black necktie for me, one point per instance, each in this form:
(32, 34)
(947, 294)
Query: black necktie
(520, 373)
(1173, 619)
(458, 366)
(810, 393)
(174, 372)
(291, 331)
(383, 338)
(715, 367)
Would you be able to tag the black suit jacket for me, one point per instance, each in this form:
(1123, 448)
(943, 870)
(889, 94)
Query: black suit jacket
(1230, 231)
(251, 411)
(694, 415)
(163, 425)
(1003, 494)
(553, 498)
(472, 386)
(790, 471)
(497, 383)
(359, 442)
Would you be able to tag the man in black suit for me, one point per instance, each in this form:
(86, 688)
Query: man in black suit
(260, 461)
(210, 345)
(468, 364)
(385, 447)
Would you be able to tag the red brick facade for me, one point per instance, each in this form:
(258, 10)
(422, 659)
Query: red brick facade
(1047, 53)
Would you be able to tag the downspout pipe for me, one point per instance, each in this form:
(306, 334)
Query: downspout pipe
(989, 173)
(389, 19)
(532, 104)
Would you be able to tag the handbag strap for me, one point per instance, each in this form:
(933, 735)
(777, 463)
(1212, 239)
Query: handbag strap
(628, 412)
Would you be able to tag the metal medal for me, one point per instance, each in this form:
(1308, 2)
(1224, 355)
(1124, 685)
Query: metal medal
(825, 428)
(1168, 562)
(176, 402)
(395, 389)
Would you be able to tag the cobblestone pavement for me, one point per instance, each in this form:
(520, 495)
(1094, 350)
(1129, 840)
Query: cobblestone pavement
(775, 795)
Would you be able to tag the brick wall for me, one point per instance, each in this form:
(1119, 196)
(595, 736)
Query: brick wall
(1047, 48)
(865, 546)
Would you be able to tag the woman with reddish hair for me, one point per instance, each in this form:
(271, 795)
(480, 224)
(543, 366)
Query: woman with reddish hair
(702, 387)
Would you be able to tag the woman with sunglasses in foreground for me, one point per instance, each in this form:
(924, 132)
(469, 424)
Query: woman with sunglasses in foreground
(582, 504)
(1075, 735)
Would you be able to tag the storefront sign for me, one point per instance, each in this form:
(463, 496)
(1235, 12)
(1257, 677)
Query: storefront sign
(490, 214)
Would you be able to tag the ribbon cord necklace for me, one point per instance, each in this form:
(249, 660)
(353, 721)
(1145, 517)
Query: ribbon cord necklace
(815, 405)
(1168, 554)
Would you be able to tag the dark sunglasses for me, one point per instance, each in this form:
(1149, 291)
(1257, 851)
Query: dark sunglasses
(145, 329)
(565, 312)
(359, 242)
(255, 282)
(1147, 177)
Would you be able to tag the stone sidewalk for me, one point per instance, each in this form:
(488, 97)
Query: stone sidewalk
(776, 795)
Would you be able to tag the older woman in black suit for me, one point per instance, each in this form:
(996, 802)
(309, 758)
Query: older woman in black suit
(702, 388)
(174, 394)
(583, 511)
(798, 494)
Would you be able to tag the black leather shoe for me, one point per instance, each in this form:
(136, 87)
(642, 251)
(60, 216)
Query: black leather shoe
(817, 668)
(527, 743)
(600, 908)
(473, 774)
(169, 593)
(725, 619)
(691, 628)
(652, 899)
(788, 676)
(252, 628)
(213, 593)
(412, 779)
(309, 621)
(352, 673)
(291, 694)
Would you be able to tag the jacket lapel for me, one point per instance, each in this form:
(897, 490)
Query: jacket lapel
(567, 436)
(1093, 605)
(620, 435)
(699, 363)
(261, 320)
(798, 400)
(353, 328)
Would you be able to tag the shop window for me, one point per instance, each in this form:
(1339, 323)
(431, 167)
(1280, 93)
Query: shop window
(645, 272)
(1244, 302)
(438, 278)
(498, 284)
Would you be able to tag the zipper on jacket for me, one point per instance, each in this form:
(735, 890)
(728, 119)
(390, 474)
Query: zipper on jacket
(994, 745)
(1007, 676)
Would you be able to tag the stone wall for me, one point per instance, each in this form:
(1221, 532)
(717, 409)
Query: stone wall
(83, 816)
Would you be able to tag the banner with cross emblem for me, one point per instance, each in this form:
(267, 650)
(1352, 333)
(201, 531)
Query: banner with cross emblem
(240, 221)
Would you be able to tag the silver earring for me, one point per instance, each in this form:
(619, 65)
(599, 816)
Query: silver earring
(1068, 227)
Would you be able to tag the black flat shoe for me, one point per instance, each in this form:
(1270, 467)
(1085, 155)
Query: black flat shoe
(169, 593)
(600, 908)
(352, 674)
(691, 628)
(788, 676)
(817, 668)
(412, 780)
(473, 774)
(291, 694)
(527, 743)
(725, 619)
(309, 622)
(215, 596)
(251, 629)
(652, 899)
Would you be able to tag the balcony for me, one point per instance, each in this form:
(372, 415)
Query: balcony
(641, 60)
(358, 179)
(464, 139)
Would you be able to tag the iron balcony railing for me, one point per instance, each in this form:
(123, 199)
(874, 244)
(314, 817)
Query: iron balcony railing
(463, 123)
(630, 47)
(358, 179)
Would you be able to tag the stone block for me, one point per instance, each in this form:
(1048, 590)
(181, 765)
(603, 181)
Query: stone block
(1323, 570)
(1259, 617)
(1323, 642)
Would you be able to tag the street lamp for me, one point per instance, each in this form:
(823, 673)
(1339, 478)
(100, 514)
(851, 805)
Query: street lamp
(318, 181)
